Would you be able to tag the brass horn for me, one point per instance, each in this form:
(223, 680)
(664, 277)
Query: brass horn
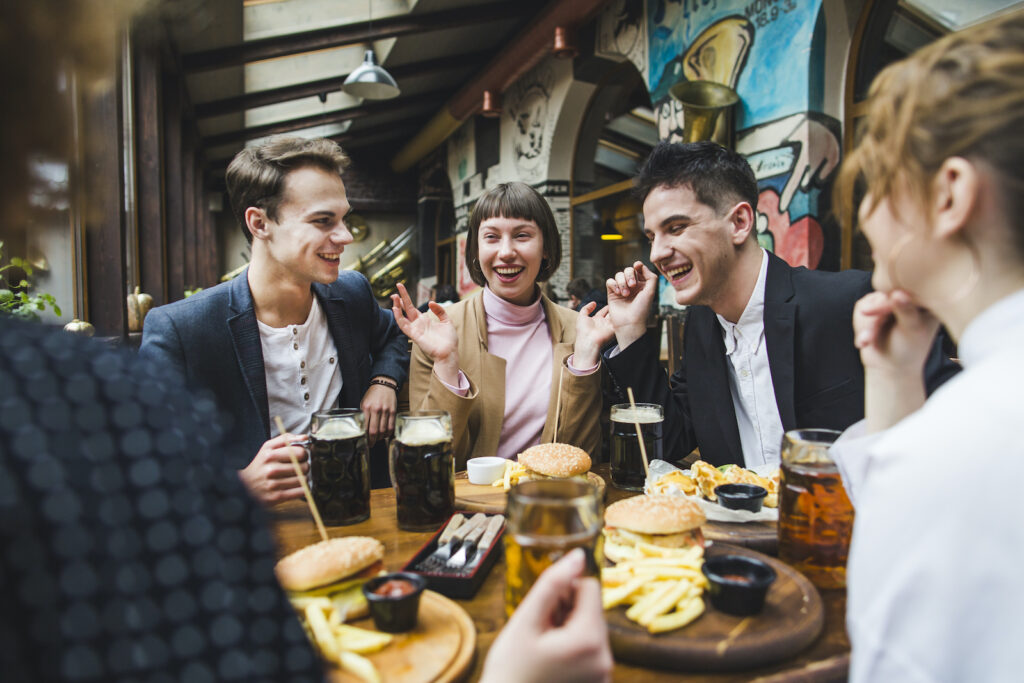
(707, 111)
(391, 273)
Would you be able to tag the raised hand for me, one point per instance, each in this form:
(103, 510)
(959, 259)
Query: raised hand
(894, 336)
(630, 294)
(436, 336)
(591, 334)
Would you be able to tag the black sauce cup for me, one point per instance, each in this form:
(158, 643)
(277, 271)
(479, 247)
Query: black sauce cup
(738, 584)
(741, 496)
(394, 614)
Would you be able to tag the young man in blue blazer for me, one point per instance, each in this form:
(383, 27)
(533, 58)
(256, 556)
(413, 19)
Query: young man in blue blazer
(290, 335)
(766, 347)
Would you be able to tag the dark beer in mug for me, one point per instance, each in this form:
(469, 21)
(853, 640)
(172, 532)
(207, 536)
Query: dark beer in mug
(422, 467)
(627, 467)
(339, 466)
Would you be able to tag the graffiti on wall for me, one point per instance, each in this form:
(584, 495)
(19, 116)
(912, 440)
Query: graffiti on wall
(621, 32)
(792, 158)
(527, 104)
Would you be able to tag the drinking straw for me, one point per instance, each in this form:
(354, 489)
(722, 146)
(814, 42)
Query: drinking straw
(639, 436)
(558, 402)
(302, 482)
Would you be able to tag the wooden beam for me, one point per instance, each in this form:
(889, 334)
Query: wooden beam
(262, 98)
(616, 188)
(173, 190)
(149, 170)
(350, 34)
(349, 114)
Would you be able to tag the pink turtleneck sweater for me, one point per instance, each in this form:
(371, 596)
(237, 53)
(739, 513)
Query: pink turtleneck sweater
(521, 336)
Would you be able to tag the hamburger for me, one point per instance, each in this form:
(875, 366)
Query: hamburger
(336, 568)
(548, 461)
(661, 520)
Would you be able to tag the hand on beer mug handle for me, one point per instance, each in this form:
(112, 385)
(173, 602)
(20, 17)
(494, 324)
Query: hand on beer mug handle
(558, 631)
(379, 405)
(630, 293)
(434, 334)
(270, 477)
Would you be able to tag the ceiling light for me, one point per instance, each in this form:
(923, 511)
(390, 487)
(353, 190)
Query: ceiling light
(370, 80)
(609, 233)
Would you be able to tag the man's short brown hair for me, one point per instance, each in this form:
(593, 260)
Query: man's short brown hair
(256, 175)
(514, 200)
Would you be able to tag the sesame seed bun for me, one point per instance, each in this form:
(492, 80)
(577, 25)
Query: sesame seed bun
(556, 460)
(328, 561)
(654, 514)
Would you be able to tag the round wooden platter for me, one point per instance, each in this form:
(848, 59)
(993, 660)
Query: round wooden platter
(760, 536)
(792, 618)
(491, 499)
(439, 650)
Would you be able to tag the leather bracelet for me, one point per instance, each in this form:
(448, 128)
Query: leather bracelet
(385, 383)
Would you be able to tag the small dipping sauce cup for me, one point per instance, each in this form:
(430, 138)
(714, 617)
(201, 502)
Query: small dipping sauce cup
(741, 496)
(485, 470)
(739, 584)
(394, 600)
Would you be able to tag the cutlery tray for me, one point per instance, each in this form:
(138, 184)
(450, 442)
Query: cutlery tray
(456, 583)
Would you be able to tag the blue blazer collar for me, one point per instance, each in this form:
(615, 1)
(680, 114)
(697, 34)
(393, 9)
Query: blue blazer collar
(245, 337)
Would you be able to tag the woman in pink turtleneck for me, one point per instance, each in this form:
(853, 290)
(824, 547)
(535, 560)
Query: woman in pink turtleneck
(494, 361)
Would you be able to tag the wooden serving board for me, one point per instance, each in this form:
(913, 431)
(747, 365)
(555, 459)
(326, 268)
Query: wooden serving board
(792, 618)
(491, 499)
(439, 650)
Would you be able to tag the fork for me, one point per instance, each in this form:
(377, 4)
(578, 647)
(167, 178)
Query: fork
(444, 550)
(468, 547)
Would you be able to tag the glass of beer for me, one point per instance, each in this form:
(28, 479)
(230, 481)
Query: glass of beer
(545, 520)
(422, 467)
(627, 465)
(339, 466)
(815, 514)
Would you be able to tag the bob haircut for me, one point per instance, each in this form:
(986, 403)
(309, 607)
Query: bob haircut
(962, 95)
(256, 175)
(514, 200)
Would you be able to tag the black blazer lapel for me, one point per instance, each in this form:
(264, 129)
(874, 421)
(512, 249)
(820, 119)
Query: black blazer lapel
(707, 379)
(779, 335)
(245, 336)
(339, 322)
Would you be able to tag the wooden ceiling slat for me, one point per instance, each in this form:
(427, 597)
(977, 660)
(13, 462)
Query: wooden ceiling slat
(349, 34)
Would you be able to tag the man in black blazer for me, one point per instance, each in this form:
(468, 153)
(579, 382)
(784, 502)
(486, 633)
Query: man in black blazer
(289, 335)
(767, 347)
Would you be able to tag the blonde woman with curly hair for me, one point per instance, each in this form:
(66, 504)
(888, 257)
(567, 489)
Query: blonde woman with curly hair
(938, 545)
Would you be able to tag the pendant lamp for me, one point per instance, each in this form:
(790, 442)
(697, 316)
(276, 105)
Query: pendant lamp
(370, 80)
(609, 233)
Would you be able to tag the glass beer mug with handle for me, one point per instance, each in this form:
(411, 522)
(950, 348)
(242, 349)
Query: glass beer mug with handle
(339, 466)
(545, 520)
(422, 466)
(815, 514)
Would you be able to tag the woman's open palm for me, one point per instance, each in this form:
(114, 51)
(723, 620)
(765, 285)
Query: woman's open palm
(434, 334)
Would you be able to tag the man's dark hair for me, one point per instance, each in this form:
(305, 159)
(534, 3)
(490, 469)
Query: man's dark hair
(578, 288)
(446, 292)
(718, 176)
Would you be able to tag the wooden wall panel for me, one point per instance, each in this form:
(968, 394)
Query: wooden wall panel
(150, 174)
(174, 207)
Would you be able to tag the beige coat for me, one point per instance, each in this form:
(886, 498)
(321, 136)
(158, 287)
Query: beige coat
(477, 417)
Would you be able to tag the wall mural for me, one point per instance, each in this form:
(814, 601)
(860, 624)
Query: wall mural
(527, 104)
(761, 49)
(620, 32)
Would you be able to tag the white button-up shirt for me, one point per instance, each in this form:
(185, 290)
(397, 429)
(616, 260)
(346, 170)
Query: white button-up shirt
(750, 379)
(934, 574)
(301, 367)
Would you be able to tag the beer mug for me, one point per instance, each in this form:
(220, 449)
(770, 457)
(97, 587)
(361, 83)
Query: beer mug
(339, 466)
(422, 466)
(545, 520)
(627, 466)
(815, 514)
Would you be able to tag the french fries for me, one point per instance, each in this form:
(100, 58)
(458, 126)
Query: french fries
(513, 472)
(339, 642)
(663, 586)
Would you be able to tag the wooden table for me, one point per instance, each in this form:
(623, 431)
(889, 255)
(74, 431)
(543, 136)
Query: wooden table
(826, 660)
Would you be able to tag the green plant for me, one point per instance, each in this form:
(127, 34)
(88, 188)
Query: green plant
(15, 298)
